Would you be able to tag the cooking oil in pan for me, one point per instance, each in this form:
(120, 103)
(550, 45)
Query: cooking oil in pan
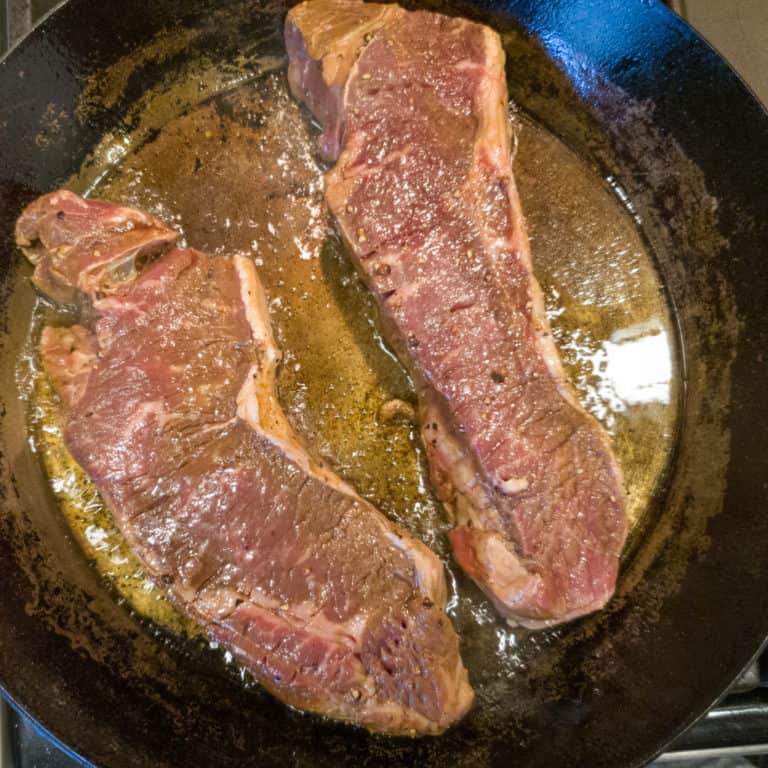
(88, 517)
(607, 307)
(237, 174)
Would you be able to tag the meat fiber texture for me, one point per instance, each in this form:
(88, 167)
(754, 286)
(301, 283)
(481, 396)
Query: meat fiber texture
(413, 107)
(169, 401)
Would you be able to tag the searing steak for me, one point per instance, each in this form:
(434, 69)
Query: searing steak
(413, 107)
(170, 406)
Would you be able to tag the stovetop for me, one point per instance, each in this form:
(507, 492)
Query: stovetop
(734, 734)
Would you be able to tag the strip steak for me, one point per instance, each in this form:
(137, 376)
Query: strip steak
(413, 107)
(170, 406)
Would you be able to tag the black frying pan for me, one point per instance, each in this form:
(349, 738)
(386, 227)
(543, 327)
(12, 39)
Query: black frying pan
(643, 100)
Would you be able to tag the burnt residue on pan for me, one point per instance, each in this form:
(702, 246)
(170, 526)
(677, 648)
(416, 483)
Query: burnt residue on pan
(197, 127)
(237, 174)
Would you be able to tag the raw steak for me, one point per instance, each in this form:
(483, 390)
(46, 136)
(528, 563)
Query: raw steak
(413, 107)
(170, 406)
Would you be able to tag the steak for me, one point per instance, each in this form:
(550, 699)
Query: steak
(413, 107)
(168, 390)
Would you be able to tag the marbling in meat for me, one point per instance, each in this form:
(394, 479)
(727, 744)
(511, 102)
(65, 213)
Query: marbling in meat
(170, 406)
(413, 107)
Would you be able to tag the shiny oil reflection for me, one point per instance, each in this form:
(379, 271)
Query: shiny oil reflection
(607, 306)
(258, 190)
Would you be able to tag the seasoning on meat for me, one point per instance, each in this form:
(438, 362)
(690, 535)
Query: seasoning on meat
(413, 107)
(170, 406)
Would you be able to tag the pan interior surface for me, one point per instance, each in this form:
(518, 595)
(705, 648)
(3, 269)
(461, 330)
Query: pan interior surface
(191, 120)
(603, 293)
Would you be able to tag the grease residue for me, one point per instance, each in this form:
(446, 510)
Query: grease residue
(237, 174)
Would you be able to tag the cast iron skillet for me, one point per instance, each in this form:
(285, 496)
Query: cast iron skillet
(639, 96)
